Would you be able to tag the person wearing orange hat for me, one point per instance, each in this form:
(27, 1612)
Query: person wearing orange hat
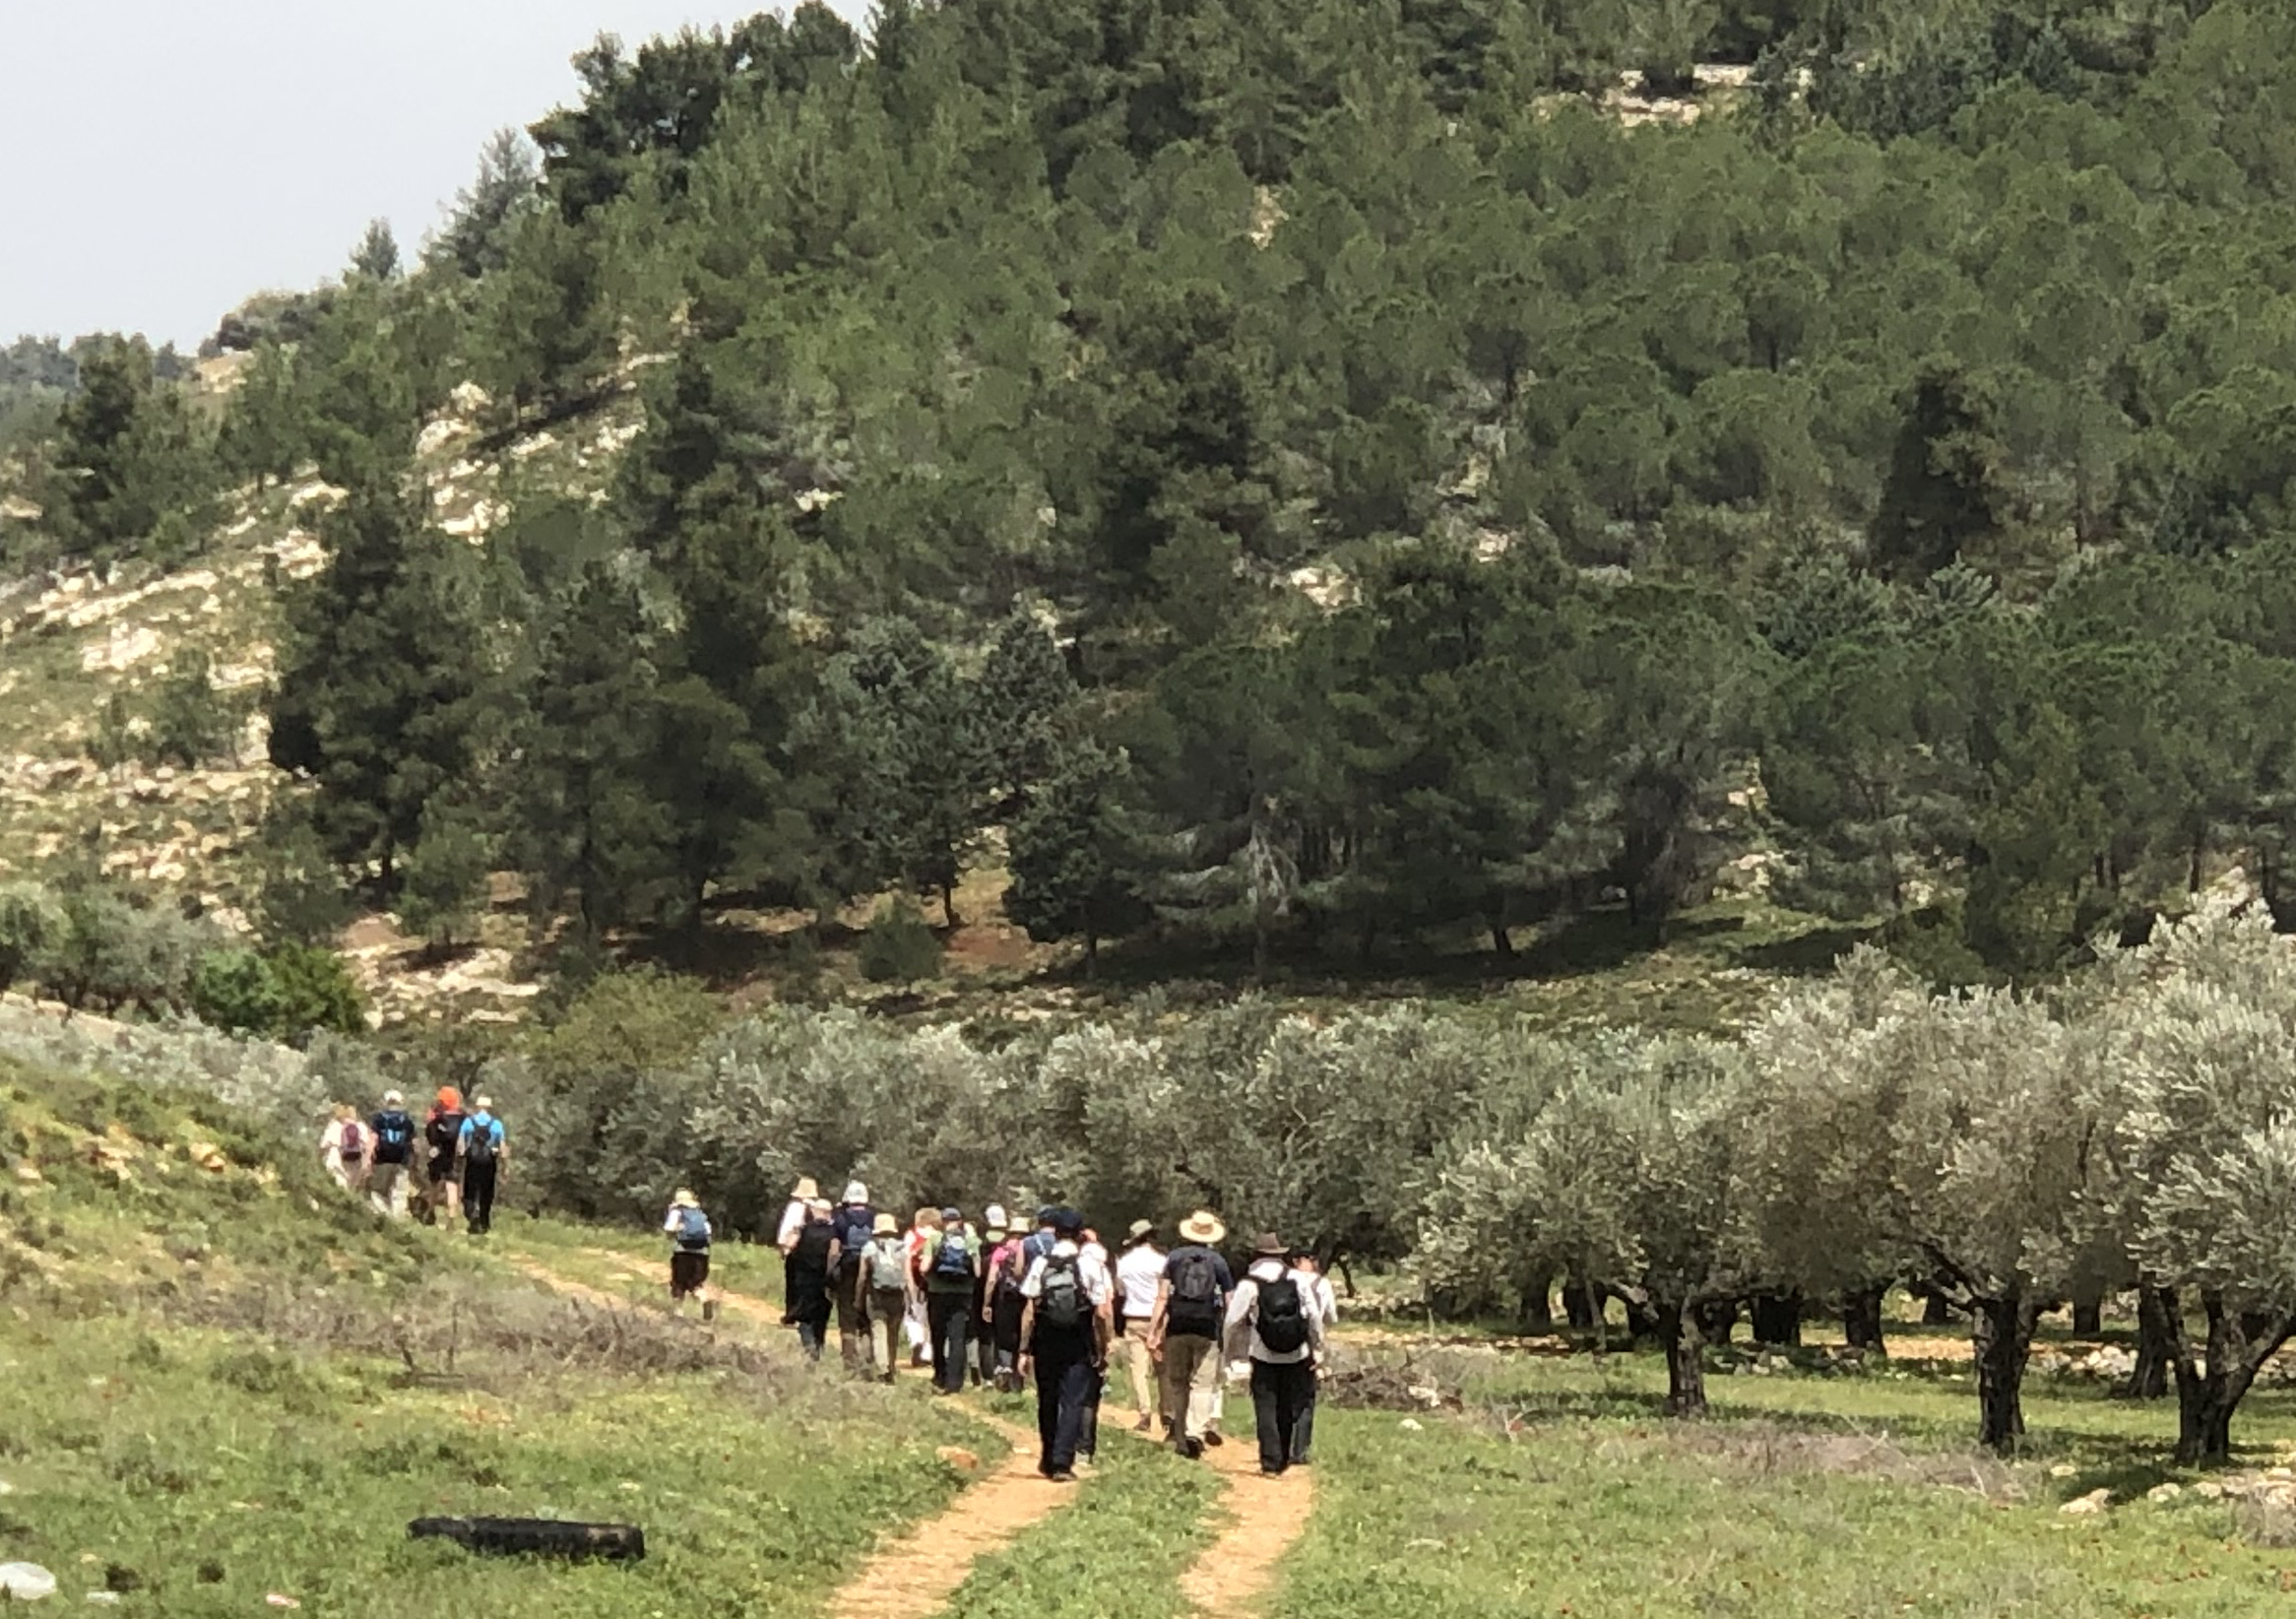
(442, 1131)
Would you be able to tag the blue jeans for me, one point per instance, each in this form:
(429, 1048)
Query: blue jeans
(1064, 1383)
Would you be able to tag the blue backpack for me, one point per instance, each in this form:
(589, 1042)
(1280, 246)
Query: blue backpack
(953, 1259)
(694, 1230)
(394, 1136)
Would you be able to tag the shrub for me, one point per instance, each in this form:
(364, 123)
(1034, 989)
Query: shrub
(32, 920)
(192, 721)
(899, 947)
(316, 992)
(235, 990)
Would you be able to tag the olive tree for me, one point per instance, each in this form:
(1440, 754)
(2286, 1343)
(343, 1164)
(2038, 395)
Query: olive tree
(2202, 1098)
(1627, 1173)
(1976, 1114)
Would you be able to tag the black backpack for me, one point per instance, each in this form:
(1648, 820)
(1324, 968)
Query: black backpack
(814, 1246)
(480, 1149)
(445, 1131)
(1193, 1308)
(1281, 1318)
(394, 1135)
(1062, 1306)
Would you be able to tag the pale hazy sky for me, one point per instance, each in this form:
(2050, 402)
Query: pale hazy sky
(166, 158)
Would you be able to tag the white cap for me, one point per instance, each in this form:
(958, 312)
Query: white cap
(856, 1192)
(392, 1099)
(994, 1215)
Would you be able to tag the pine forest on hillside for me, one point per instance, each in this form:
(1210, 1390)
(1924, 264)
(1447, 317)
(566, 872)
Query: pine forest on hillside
(1284, 479)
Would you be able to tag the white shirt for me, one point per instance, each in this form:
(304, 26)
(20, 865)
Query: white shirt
(792, 1222)
(1092, 1275)
(1139, 1272)
(1244, 1340)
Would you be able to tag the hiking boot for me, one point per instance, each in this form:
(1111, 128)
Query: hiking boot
(1213, 1439)
(1271, 1472)
(1064, 1477)
(1143, 1425)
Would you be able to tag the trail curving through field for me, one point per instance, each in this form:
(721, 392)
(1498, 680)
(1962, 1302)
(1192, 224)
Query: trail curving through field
(1263, 1520)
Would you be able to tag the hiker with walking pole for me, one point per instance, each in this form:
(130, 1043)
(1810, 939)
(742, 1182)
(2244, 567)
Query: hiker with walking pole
(1274, 1322)
(1067, 1327)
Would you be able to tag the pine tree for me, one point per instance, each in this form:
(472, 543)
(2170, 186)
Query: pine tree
(1075, 856)
(475, 239)
(1023, 693)
(382, 679)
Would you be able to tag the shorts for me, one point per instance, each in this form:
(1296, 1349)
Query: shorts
(443, 1169)
(687, 1272)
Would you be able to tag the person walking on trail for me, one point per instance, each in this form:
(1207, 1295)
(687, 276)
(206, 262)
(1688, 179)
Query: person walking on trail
(442, 1134)
(811, 1262)
(785, 1237)
(343, 1148)
(1066, 1326)
(1273, 1322)
(1038, 1242)
(392, 1153)
(881, 1289)
(916, 1327)
(854, 1224)
(994, 1238)
(1095, 1253)
(1140, 1276)
(951, 1264)
(1326, 1306)
(1191, 1307)
(689, 1230)
(482, 1150)
(1003, 1307)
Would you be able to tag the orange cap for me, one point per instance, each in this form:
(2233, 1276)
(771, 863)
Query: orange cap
(450, 1098)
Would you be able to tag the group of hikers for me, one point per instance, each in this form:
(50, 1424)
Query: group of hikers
(1003, 1306)
(443, 1167)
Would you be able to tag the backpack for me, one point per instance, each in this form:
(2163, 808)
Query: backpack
(394, 1135)
(858, 1224)
(1194, 1307)
(445, 1133)
(480, 1149)
(1011, 1272)
(814, 1245)
(354, 1145)
(888, 1267)
(1060, 1303)
(953, 1259)
(1282, 1319)
(694, 1230)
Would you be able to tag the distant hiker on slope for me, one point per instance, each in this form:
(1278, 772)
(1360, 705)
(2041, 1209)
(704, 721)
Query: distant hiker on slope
(950, 1263)
(689, 1230)
(1273, 1321)
(393, 1155)
(343, 1148)
(786, 1238)
(442, 1133)
(854, 1224)
(1002, 1307)
(1191, 1307)
(812, 1257)
(881, 1287)
(1067, 1327)
(483, 1148)
(1139, 1277)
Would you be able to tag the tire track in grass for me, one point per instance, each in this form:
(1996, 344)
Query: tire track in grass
(918, 1572)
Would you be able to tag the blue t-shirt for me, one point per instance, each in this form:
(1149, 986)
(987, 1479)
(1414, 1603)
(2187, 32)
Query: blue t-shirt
(486, 1122)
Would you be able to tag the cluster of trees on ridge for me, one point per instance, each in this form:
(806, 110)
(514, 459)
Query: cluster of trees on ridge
(1917, 427)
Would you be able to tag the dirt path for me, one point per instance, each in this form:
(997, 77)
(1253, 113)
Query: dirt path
(918, 1572)
(1263, 1520)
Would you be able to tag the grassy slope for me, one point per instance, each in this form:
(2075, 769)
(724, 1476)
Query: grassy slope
(1803, 1497)
(185, 1414)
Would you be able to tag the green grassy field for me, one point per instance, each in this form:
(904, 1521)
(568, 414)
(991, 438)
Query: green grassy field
(1561, 1492)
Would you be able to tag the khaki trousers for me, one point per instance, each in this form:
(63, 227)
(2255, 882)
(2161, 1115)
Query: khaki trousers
(1140, 1366)
(1191, 1384)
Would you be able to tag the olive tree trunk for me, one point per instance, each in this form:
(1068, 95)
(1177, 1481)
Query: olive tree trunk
(2215, 1374)
(1685, 1365)
(2156, 1345)
(1860, 1318)
(2002, 1337)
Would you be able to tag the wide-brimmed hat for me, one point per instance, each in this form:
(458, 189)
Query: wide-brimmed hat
(856, 1192)
(1140, 1232)
(1269, 1246)
(886, 1226)
(683, 1199)
(1204, 1226)
(808, 1188)
(484, 1104)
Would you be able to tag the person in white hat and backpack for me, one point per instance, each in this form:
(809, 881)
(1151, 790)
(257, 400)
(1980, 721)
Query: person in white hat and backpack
(1191, 1307)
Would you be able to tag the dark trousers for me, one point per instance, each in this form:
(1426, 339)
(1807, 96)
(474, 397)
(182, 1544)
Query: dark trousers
(1304, 1430)
(1279, 1394)
(479, 1195)
(1063, 1393)
(948, 1317)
